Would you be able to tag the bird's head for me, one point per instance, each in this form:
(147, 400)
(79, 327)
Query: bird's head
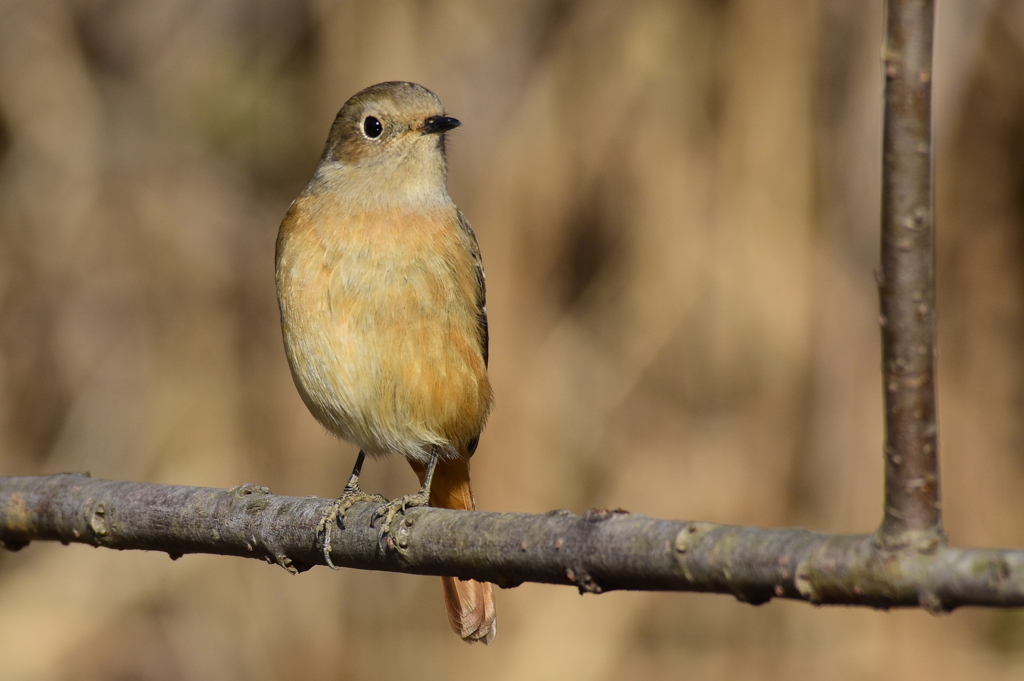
(391, 134)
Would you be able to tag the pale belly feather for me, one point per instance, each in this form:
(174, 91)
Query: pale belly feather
(381, 334)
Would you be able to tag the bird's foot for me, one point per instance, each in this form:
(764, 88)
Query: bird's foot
(393, 508)
(334, 514)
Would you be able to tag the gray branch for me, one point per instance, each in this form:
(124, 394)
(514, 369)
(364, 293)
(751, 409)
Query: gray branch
(599, 551)
(906, 280)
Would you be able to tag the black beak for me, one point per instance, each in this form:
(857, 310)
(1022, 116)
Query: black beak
(439, 124)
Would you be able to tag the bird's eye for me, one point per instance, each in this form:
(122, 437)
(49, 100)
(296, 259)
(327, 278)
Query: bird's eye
(372, 128)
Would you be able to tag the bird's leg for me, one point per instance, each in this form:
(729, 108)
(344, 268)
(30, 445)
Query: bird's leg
(389, 510)
(335, 512)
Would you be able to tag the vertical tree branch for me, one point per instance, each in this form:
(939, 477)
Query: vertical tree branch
(907, 281)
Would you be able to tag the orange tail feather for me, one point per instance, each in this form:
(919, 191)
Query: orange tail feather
(469, 603)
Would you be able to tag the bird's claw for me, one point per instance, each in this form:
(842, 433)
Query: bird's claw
(335, 512)
(391, 509)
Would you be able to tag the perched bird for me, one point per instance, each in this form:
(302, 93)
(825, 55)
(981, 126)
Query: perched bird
(381, 291)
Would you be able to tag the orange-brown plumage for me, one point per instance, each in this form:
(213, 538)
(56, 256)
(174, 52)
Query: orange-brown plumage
(382, 304)
(469, 604)
(380, 326)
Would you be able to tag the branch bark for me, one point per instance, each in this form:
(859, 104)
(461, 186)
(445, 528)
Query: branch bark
(907, 281)
(599, 551)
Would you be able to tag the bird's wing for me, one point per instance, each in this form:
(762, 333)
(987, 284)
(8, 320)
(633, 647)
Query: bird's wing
(481, 292)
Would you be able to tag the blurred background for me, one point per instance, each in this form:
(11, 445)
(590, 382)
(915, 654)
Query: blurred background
(677, 204)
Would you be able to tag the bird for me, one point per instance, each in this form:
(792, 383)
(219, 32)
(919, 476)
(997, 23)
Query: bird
(382, 298)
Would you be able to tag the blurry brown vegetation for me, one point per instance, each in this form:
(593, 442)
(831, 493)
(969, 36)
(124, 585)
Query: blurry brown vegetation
(678, 209)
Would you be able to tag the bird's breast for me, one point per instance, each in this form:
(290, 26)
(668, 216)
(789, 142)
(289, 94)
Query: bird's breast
(380, 325)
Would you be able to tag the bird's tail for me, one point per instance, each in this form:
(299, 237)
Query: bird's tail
(469, 603)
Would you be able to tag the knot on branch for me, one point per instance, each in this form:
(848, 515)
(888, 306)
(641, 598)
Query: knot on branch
(583, 546)
(15, 533)
(583, 580)
(804, 584)
(596, 515)
(889, 540)
(690, 536)
(98, 521)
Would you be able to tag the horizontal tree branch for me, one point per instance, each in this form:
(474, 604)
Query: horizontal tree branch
(599, 551)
